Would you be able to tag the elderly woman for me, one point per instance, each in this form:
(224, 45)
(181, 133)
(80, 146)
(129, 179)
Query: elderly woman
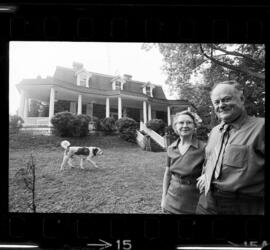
(185, 160)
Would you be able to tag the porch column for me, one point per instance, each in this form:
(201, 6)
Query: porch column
(149, 112)
(108, 107)
(169, 115)
(22, 103)
(79, 112)
(26, 107)
(51, 109)
(144, 112)
(119, 107)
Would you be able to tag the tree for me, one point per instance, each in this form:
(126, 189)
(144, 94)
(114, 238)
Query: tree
(214, 63)
(15, 123)
(248, 59)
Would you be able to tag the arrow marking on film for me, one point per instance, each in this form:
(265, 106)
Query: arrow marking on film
(103, 245)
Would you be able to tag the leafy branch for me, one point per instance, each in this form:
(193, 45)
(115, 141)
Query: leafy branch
(242, 69)
(27, 177)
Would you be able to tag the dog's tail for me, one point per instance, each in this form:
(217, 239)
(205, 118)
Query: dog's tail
(65, 144)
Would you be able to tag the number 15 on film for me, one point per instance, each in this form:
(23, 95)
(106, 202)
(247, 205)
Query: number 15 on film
(124, 244)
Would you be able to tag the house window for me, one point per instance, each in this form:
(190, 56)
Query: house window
(148, 90)
(83, 80)
(117, 85)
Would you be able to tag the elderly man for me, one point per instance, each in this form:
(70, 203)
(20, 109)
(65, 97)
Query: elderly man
(232, 180)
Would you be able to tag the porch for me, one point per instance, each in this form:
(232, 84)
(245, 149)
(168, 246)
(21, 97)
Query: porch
(95, 102)
(114, 104)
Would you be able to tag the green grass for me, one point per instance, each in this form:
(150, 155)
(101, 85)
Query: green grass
(128, 180)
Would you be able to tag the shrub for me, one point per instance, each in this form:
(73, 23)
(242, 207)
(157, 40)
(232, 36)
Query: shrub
(108, 125)
(97, 123)
(170, 135)
(202, 132)
(158, 125)
(15, 123)
(67, 124)
(80, 125)
(63, 123)
(170, 131)
(127, 128)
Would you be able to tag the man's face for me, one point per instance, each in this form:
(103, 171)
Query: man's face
(228, 102)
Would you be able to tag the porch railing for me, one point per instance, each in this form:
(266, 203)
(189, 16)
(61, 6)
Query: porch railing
(155, 136)
(36, 121)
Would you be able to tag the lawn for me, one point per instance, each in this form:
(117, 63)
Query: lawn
(128, 180)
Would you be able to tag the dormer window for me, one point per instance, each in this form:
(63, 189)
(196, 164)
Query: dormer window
(148, 89)
(118, 83)
(83, 81)
(83, 78)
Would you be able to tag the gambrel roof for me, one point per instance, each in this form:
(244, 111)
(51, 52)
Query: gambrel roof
(104, 82)
(101, 85)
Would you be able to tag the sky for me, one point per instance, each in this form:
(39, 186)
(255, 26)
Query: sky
(32, 59)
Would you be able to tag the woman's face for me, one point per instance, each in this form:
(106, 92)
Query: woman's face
(184, 125)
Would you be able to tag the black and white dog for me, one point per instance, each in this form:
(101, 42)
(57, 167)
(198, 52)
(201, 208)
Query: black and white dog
(85, 153)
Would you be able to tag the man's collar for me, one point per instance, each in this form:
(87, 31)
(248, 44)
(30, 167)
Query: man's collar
(237, 124)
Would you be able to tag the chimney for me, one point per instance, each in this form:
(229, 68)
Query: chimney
(127, 77)
(77, 66)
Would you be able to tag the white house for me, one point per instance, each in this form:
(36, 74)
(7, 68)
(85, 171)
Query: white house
(95, 94)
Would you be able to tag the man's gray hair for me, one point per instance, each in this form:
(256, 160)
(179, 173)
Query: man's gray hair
(234, 83)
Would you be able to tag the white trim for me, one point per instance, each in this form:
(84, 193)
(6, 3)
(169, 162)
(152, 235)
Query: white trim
(169, 115)
(155, 136)
(140, 98)
(149, 112)
(107, 107)
(51, 108)
(119, 107)
(144, 112)
(79, 112)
